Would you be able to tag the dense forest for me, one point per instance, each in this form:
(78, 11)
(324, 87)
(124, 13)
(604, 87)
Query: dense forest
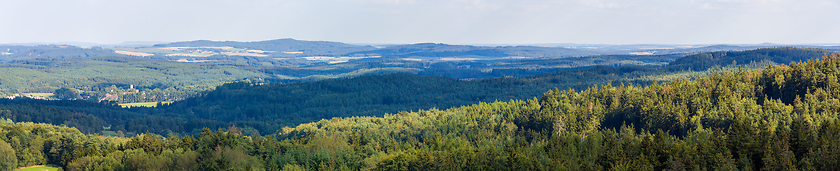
(127, 79)
(264, 108)
(130, 79)
(781, 117)
(761, 56)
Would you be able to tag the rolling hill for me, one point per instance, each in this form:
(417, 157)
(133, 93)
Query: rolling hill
(280, 47)
(437, 50)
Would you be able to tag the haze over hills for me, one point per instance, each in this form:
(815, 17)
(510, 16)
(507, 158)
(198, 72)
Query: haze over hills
(439, 50)
(361, 110)
(307, 52)
(279, 47)
(250, 103)
(290, 60)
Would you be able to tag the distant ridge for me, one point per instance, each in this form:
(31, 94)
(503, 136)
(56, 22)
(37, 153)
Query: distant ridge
(279, 46)
(446, 50)
(762, 56)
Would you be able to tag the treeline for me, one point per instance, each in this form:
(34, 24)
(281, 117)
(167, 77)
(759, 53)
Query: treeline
(740, 120)
(762, 57)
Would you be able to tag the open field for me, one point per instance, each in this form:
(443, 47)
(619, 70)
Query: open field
(185, 60)
(133, 53)
(243, 54)
(39, 94)
(108, 133)
(38, 168)
(191, 54)
(190, 51)
(334, 60)
(144, 104)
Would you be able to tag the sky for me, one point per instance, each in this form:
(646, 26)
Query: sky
(416, 21)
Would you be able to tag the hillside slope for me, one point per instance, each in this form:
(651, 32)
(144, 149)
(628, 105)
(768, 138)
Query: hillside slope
(742, 120)
(8, 53)
(279, 46)
(762, 57)
(433, 50)
(266, 108)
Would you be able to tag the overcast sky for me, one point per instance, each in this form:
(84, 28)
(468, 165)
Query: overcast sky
(414, 21)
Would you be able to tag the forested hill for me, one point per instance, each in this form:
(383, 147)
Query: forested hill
(374, 95)
(783, 117)
(467, 51)
(265, 108)
(8, 53)
(763, 57)
(279, 46)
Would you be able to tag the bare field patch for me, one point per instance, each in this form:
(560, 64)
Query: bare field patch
(133, 53)
(205, 47)
(259, 51)
(185, 60)
(515, 57)
(190, 55)
(243, 54)
(641, 53)
(458, 59)
(39, 168)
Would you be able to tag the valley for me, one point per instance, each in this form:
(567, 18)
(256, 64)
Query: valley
(407, 85)
(409, 106)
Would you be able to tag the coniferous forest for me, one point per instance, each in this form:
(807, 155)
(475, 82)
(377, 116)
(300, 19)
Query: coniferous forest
(780, 117)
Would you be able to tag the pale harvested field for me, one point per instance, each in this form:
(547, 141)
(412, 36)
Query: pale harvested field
(457, 59)
(185, 60)
(515, 57)
(207, 47)
(244, 54)
(259, 51)
(133, 53)
(641, 53)
(190, 55)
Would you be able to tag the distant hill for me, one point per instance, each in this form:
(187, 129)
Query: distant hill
(162, 80)
(280, 47)
(269, 107)
(445, 50)
(763, 56)
(51, 51)
(374, 95)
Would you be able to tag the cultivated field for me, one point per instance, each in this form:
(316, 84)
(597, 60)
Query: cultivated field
(144, 104)
(39, 94)
(133, 53)
(38, 168)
